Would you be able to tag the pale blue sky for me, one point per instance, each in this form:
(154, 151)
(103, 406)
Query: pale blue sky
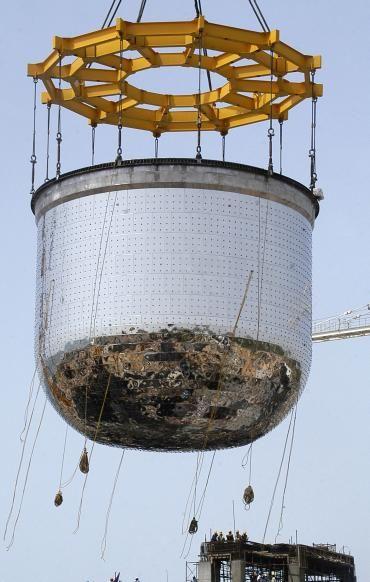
(328, 492)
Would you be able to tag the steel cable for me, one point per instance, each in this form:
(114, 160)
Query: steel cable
(259, 15)
(141, 10)
(33, 159)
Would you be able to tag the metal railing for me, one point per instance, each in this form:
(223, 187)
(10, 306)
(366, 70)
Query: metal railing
(354, 323)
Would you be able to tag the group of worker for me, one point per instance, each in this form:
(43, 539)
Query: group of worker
(219, 537)
(118, 579)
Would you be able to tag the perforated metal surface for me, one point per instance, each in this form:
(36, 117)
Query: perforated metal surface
(133, 260)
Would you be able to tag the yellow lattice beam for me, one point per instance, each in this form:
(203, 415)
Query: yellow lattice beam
(94, 84)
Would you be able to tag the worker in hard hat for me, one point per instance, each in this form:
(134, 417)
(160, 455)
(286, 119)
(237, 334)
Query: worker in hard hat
(230, 537)
(244, 537)
(214, 537)
(238, 537)
(221, 537)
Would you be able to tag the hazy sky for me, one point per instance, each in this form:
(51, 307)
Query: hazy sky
(328, 492)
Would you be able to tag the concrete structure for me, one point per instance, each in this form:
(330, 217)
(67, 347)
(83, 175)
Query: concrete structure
(174, 301)
(245, 562)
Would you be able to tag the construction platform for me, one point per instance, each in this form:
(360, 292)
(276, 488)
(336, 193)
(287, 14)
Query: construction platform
(250, 561)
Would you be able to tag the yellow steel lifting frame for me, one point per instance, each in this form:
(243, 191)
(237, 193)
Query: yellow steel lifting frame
(102, 94)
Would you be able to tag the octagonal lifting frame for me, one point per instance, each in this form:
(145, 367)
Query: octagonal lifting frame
(102, 94)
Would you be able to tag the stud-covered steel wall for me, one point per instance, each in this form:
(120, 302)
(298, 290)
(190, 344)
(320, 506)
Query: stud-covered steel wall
(141, 249)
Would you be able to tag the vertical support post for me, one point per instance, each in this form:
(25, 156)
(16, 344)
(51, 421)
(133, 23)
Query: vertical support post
(237, 570)
(295, 567)
(206, 572)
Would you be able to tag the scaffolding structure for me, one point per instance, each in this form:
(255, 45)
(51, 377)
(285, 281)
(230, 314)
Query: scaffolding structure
(251, 562)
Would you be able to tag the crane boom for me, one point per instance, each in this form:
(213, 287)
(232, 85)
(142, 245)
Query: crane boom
(352, 323)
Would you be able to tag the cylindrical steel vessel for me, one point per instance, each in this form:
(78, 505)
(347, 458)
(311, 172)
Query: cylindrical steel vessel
(174, 301)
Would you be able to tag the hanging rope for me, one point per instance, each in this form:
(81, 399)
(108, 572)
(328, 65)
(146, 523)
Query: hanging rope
(69, 481)
(92, 450)
(214, 407)
(30, 394)
(246, 456)
(261, 263)
(33, 159)
(104, 540)
(59, 128)
(93, 128)
(248, 496)
(199, 123)
(48, 143)
(20, 463)
(278, 477)
(120, 105)
(96, 293)
(58, 500)
(103, 262)
(280, 527)
(199, 508)
(202, 499)
(312, 152)
(26, 477)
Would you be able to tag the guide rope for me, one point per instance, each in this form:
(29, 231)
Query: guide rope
(261, 263)
(21, 463)
(59, 127)
(280, 526)
(33, 159)
(312, 152)
(92, 450)
(58, 500)
(104, 539)
(214, 409)
(30, 394)
(96, 289)
(48, 143)
(26, 477)
(278, 477)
